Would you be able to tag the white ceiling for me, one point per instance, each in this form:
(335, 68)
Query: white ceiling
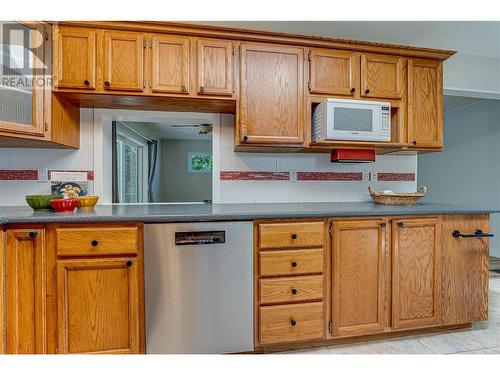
(166, 130)
(467, 37)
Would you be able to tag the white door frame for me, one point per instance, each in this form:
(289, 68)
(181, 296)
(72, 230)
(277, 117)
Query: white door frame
(103, 119)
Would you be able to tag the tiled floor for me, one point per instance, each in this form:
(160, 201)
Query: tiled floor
(483, 338)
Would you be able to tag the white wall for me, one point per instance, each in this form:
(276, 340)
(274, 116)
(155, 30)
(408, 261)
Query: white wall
(300, 191)
(12, 192)
(467, 171)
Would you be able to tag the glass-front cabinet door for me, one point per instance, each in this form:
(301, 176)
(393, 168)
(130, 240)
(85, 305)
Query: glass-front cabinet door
(23, 78)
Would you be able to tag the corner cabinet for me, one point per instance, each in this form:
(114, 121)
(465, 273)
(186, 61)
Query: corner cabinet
(271, 110)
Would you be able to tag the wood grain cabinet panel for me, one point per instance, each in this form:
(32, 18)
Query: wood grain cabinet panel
(291, 235)
(425, 103)
(123, 61)
(75, 58)
(291, 262)
(271, 95)
(286, 323)
(215, 67)
(465, 270)
(26, 287)
(333, 72)
(358, 300)
(291, 289)
(170, 64)
(382, 76)
(98, 306)
(416, 272)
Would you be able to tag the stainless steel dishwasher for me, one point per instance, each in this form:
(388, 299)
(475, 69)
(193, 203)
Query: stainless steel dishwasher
(199, 287)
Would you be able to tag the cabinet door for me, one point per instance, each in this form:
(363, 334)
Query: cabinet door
(215, 67)
(465, 270)
(358, 301)
(170, 59)
(123, 61)
(25, 285)
(425, 103)
(416, 273)
(75, 58)
(21, 94)
(382, 76)
(333, 72)
(98, 306)
(272, 95)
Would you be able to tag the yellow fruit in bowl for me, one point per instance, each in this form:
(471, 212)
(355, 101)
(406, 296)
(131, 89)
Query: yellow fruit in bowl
(87, 202)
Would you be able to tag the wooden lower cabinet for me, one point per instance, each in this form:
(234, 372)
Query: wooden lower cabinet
(98, 306)
(358, 276)
(25, 286)
(416, 272)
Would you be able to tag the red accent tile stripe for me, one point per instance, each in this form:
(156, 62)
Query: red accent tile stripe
(90, 174)
(329, 176)
(256, 176)
(19, 174)
(396, 176)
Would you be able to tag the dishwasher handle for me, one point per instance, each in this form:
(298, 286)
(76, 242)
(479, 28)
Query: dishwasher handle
(200, 238)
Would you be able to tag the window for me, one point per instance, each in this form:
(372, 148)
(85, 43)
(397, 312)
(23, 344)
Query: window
(199, 162)
(131, 171)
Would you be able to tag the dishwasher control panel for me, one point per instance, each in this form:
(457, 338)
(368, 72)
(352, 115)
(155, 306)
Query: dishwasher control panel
(200, 238)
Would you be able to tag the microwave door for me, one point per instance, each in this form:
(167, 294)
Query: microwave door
(353, 122)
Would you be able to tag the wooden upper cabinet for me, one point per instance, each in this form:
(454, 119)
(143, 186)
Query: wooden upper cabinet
(333, 72)
(359, 271)
(425, 103)
(170, 64)
(465, 270)
(271, 95)
(26, 290)
(416, 273)
(382, 76)
(75, 58)
(215, 67)
(98, 306)
(123, 61)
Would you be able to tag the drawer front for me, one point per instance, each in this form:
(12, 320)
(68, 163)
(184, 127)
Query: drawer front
(291, 322)
(291, 262)
(291, 289)
(97, 241)
(290, 235)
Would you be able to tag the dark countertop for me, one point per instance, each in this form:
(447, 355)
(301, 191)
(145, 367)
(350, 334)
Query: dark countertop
(159, 213)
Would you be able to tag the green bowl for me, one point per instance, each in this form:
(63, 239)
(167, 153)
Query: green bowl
(41, 202)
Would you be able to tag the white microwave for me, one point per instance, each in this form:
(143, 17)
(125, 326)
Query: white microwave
(352, 120)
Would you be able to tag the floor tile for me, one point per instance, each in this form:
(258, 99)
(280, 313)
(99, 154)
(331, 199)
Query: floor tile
(400, 346)
(483, 351)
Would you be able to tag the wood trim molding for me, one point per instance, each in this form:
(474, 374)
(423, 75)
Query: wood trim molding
(266, 36)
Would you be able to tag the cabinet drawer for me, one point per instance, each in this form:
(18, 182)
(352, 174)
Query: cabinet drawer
(97, 241)
(291, 262)
(291, 322)
(290, 235)
(291, 289)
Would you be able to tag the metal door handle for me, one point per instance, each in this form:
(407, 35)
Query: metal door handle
(477, 234)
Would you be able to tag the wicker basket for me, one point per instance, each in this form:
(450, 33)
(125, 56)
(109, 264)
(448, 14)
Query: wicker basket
(402, 199)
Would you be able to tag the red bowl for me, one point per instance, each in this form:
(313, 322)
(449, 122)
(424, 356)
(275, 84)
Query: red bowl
(64, 205)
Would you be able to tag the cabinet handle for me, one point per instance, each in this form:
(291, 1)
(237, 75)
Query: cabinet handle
(294, 264)
(129, 263)
(107, 84)
(245, 138)
(183, 88)
(414, 143)
(293, 322)
(33, 234)
(400, 224)
(477, 234)
(353, 90)
(367, 91)
(293, 291)
(383, 225)
(294, 236)
(94, 243)
(86, 82)
(202, 89)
